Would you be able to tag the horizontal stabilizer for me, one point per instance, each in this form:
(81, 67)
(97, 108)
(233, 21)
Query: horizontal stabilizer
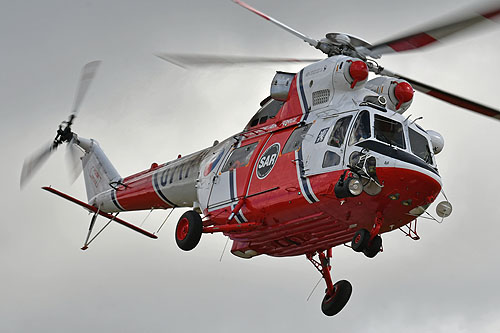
(95, 210)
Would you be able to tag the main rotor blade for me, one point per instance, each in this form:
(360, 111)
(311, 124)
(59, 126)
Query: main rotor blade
(446, 96)
(87, 75)
(431, 34)
(34, 162)
(310, 41)
(204, 60)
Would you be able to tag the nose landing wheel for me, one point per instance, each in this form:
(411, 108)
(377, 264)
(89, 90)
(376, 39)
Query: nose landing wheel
(338, 294)
(369, 242)
(362, 242)
(374, 247)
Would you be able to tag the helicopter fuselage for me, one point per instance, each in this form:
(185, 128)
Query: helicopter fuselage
(280, 174)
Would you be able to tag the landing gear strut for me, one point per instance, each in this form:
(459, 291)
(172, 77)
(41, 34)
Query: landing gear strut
(337, 295)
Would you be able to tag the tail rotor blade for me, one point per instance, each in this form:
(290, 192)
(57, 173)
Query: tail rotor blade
(34, 162)
(64, 133)
(73, 156)
(87, 75)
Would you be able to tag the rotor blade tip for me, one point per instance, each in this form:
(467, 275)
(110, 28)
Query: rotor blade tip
(169, 59)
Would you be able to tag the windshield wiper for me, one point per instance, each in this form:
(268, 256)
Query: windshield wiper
(386, 140)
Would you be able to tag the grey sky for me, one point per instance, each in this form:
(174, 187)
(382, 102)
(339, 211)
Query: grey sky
(142, 109)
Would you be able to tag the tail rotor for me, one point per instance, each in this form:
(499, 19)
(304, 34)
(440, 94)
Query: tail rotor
(64, 133)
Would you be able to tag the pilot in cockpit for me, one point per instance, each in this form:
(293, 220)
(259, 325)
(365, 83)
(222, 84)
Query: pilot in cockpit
(361, 128)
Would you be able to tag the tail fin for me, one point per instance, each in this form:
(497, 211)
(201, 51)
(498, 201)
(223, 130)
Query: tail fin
(98, 171)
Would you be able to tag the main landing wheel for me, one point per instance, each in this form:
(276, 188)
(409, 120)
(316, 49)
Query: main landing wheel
(188, 231)
(332, 304)
(360, 240)
(374, 247)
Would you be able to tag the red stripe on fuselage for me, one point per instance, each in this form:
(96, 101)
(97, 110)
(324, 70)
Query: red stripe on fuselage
(139, 194)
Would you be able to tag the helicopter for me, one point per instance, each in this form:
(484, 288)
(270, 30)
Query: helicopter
(328, 159)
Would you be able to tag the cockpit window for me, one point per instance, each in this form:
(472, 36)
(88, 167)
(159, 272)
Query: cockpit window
(330, 159)
(361, 128)
(389, 131)
(339, 132)
(239, 157)
(420, 146)
(268, 111)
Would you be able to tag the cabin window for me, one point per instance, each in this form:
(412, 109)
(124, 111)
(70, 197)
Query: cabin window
(420, 146)
(389, 131)
(268, 111)
(361, 129)
(240, 157)
(339, 132)
(330, 159)
(295, 140)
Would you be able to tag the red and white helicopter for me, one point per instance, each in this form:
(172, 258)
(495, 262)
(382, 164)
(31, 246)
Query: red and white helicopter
(328, 159)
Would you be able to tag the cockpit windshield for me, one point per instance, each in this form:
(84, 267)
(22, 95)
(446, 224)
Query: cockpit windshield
(420, 146)
(361, 129)
(389, 131)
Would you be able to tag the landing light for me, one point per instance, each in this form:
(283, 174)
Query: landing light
(355, 186)
(350, 186)
(444, 209)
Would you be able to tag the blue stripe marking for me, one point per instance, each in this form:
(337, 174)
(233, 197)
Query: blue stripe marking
(231, 184)
(232, 193)
(239, 218)
(115, 201)
(302, 179)
(158, 191)
(303, 95)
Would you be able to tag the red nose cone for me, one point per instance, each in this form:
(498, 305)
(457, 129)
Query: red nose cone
(358, 71)
(404, 93)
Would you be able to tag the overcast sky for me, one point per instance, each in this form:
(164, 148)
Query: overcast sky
(143, 110)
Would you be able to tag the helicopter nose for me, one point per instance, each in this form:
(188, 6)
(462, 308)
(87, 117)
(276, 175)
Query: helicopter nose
(409, 188)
